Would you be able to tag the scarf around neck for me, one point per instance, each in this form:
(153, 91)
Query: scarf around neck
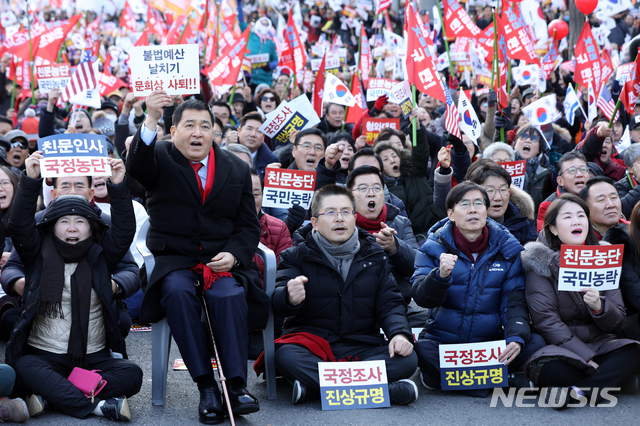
(55, 254)
(340, 256)
(467, 247)
(372, 226)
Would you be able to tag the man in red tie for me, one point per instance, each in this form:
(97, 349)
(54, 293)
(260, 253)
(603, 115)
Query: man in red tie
(203, 228)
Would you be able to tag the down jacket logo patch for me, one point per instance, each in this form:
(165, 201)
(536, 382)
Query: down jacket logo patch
(496, 267)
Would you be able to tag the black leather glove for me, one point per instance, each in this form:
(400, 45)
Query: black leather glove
(457, 144)
(492, 98)
(295, 218)
(500, 121)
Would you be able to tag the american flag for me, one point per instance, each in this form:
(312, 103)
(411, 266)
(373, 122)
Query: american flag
(605, 102)
(452, 118)
(82, 79)
(382, 5)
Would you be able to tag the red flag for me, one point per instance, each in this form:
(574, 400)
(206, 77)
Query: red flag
(519, 44)
(456, 21)
(631, 88)
(155, 23)
(606, 66)
(94, 25)
(188, 35)
(224, 72)
(173, 35)
(51, 40)
(293, 55)
(144, 38)
(503, 95)
(108, 83)
(204, 20)
(588, 67)
(355, 112)
(365, 57)
(318, 88)
(420, 66)
(128, 18)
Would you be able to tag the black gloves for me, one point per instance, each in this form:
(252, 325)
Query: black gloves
(458, 146)
(295, 218)
(500, 121)
(492, 98)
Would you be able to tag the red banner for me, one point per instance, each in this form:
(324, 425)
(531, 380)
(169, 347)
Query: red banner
(456, 21)
(588, 67)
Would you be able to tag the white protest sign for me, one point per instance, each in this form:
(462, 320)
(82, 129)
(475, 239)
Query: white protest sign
(258, 61)
(332, 62)
(379, 87)
(53, 76)
(516, 170)
(74, 154)
(583, 267)
(284, 188)
(623, 73)
(172, 68)
(401, 94)
(353, 385)
(472, 365)
(289, 116)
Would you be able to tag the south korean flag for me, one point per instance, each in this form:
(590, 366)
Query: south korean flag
(469, 122)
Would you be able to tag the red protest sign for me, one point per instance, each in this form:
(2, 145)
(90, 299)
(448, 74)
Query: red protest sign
(371, 127)
(516, 170)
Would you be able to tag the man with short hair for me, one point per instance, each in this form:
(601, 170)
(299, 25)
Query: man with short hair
(6, 125)
(392, 231)
(333, 118)
(572, 176)
(307, 150)
(192, 182)
(19, 148)
(627, 186)
(222, 111)
(605, 208)
(335, 286)
(250, 136)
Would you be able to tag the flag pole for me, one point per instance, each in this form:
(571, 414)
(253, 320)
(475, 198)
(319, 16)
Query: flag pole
(444, 36)
(414, 134)
(346, 108)
(496, 63)
(33, 98)
(615, 111)
(184, 29)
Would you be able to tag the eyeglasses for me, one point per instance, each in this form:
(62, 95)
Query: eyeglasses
(333, 214)
(491, 191)
(268, 98)
(217, 134)
(5, 184)
(571, 171)
(465, 204)
(17, 144)
(306, 145)
(364, 189)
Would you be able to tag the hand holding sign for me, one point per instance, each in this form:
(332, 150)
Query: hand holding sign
(591, 298)
(296, 291)
(32, 165)
(400, 345)
(117, 170)
(510, 353)
(447, 262)
(156, 101)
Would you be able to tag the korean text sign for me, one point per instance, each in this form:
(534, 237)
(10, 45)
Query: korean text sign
(353, 385)
(170, 68)
(74, 154)
(372, 126)
(289, 116)
(53, 76)
(473, 366)
(379, 87)
(401, 94)
(583, 267)
(284, 188)
(516, 170)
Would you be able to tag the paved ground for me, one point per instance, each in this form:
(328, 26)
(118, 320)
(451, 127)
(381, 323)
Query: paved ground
(433, 408)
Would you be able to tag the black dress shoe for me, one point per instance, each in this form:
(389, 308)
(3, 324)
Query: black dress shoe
(210, 410)
(242, 402)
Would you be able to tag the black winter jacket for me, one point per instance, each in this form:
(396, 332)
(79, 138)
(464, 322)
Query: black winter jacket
(336, 310)
(103, 258)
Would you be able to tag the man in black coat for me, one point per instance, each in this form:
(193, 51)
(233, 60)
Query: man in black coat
(203, 230)
(335, 284)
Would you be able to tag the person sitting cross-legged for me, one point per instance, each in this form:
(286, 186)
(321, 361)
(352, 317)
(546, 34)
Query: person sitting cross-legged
(334, 286)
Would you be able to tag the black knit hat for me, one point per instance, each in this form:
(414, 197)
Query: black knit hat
(66, 205)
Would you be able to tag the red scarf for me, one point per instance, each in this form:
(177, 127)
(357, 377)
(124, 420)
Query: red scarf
(208, 275)
(467, 247)
(372, 226)
(211, 173)
(316, 345)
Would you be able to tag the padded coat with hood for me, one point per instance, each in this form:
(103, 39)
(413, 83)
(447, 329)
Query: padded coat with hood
(480, 301)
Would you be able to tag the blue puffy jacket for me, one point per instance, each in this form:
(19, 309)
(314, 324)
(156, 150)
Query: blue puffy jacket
(479, 301)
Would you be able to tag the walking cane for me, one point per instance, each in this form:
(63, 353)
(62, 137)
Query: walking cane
(223, 379)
